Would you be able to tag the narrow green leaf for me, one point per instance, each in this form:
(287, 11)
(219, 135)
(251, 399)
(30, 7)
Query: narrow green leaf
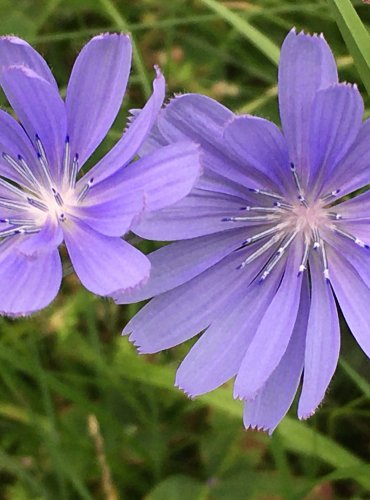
(361, 383)
(355, 36)
(258, 39)
(295, 435)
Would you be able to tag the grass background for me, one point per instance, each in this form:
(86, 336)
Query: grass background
(81, 415)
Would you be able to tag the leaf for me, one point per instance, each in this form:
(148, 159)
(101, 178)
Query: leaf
(258, 39)
(177, 487)
(296, 435)
(355, 36)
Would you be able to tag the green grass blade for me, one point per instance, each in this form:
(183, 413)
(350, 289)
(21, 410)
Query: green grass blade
(258, 39)
(295, 435)
(114, 14)
(361, 383)
(355, 36)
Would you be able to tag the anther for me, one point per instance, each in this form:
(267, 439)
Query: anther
(351, 237)
(5, 203)
(335, 216)
(266, 193)
(330, 195)
(285, 206)
(261, 235)
(66, 159)
(259, 252)
(257, 218)
(303, 265)
(41, 155)
(325, 261)
(57, 197)
(74, 170)
(276, 258)
(85, 190)
(37, 204)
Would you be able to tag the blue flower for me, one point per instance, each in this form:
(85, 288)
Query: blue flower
(44, 202)
(267, 241)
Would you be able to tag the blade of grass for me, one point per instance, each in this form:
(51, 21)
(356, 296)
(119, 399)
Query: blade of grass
(361, 383)
(296, 436)
(258, 39)
(355, 36)
(120, 22)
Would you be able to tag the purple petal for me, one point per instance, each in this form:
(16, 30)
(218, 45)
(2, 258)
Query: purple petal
(306, 65)
(179, 262)
(274, 332)
(217, 355)
(353, 171)
(40, 110)
(133, 138)
(47, 240)
(173, 317)
(322, 342)
(274, 399)
(164, 177)
(353, 297)
(112, 217)
(259, 145)
(95, 91)
(14, 142)
(105, 265)
(335, 122)
(14, 51)
(28, 284)
(198, 214)
(202, 120)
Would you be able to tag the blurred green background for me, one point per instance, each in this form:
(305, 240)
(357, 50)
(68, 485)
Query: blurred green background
(81, 414)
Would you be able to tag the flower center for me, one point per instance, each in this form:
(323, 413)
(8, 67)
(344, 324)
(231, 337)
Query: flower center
(288, 219)
(30, 201)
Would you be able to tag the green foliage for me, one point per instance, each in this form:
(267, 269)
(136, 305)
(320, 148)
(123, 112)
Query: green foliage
(81, 414)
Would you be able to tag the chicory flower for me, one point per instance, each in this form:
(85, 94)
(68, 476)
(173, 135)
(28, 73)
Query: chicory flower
(43, 200)
(268, 241)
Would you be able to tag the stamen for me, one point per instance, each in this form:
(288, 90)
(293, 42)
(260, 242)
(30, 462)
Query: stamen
(62, 217)
(10, 187)
(17, 222)
(330, 195)
(276, 258)
(38, 204)
(57, 197)
(302, 199)
(73, 173)
(261, 235)
(19, 230)
(296, 178)
(266, 193)
(335, 216)
(86, 189)
(5, 203)
(350, 237)
(41, 155)
(303, 265)
(66, 159)
(316, 238)
(259, 252)
(259, 209)
(257, 218)
(324, 260)
(27, 171)
(285, 206)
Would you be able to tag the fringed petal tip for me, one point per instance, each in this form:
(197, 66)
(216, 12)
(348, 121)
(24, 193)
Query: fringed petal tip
(13, 39)
(185, 391)
(116, 294)
(306, 414)
(249, 426)
(16, 315)
(106, 35)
